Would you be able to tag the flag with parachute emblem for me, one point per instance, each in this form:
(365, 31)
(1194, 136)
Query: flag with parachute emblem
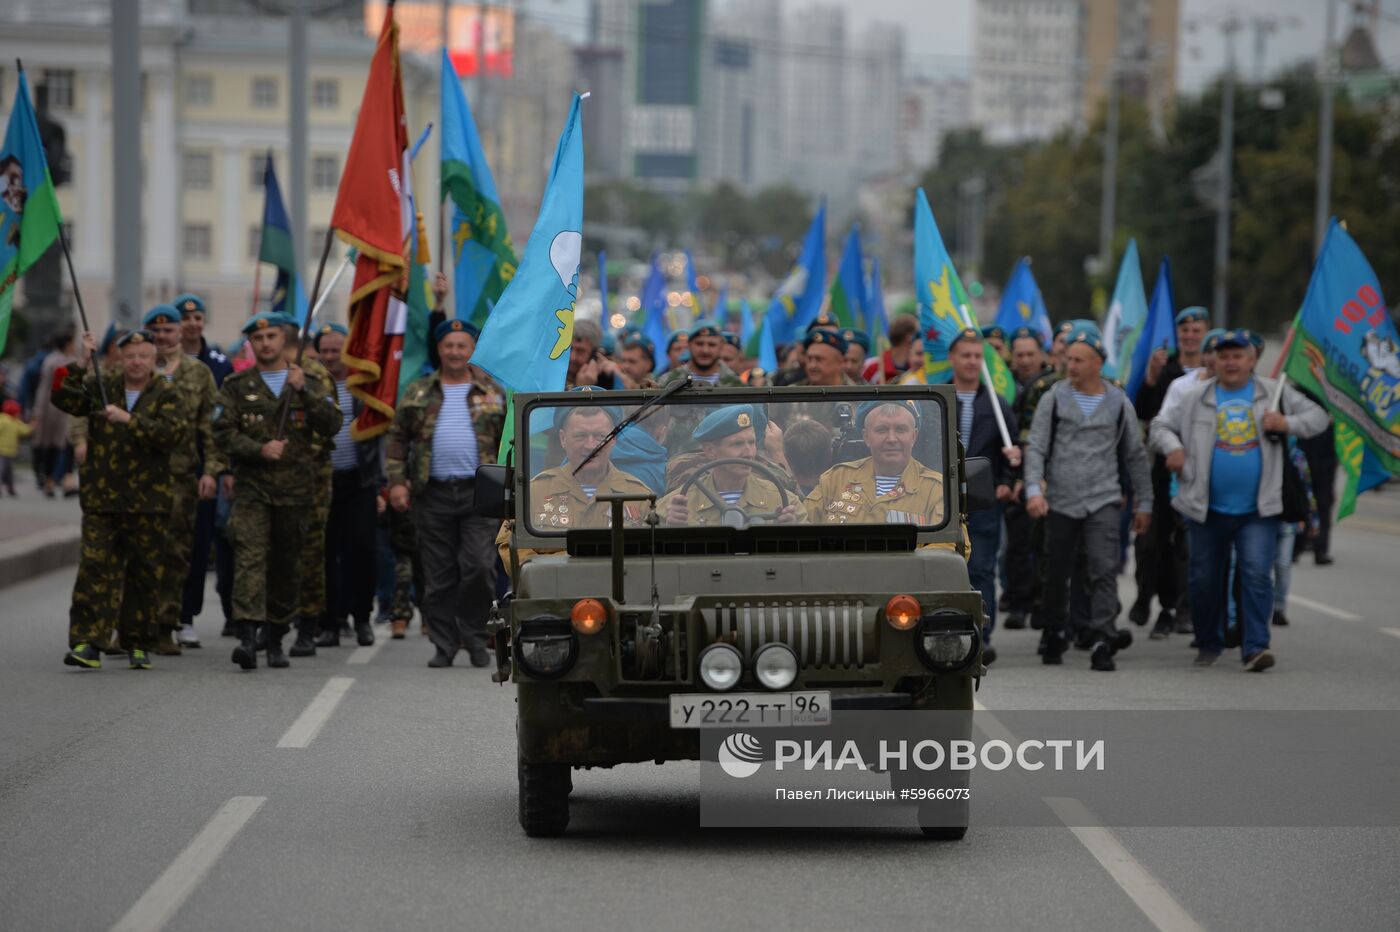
(374, 214)
(525, 343)
(1022, 304)
(419, 301)
(277, 246)
(1127, 313)
(1346, 351)
(799, 298)
(29, 216)
(944, 307)
(483, 256)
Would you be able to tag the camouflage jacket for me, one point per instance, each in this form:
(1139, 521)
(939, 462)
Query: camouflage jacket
(727, 376)
(409, 453)
(1028, 397)
(194, 395)
(128, 465)
(246, 416)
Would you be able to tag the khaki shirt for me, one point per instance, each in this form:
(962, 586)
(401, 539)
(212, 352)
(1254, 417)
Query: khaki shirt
(760, 497)
(846, 494)
(558, 502)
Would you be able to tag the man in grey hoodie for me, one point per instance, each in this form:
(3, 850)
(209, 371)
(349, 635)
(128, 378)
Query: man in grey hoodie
(1084, 434)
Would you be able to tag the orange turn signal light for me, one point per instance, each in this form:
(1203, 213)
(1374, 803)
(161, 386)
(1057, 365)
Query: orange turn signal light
(588, 616)
(903, 612)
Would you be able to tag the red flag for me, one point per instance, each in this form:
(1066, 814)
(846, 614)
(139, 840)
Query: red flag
(372, 214)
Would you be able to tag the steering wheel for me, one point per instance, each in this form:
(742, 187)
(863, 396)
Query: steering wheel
(732, 515)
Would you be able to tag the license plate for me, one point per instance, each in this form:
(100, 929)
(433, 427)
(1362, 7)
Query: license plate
(750, 710)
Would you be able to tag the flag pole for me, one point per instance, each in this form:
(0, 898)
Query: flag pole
(1277, 374)
(306, 328)
(991, 387)
(73, 277)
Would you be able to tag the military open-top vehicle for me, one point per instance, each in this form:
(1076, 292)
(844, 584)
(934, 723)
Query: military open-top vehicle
(664, 584)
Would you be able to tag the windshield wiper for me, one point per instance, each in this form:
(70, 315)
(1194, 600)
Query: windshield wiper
(673, 388)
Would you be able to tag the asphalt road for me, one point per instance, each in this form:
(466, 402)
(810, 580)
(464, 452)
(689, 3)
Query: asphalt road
(163, 799)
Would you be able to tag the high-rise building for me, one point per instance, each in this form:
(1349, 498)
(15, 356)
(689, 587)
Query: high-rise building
(930, 107)
(816, 127)
(876, 73)
(741, 132)
(1044, 65)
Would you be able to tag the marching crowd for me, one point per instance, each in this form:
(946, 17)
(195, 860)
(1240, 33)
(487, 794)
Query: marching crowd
(1217, 476)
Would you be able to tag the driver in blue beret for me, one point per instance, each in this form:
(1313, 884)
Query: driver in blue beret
(722, 492)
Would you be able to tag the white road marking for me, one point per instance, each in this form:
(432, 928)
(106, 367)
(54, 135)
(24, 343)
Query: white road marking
(1155, 901)
(164, 898)
(1393, 632)
(366, 654)
(1338, 613)
(310, 722)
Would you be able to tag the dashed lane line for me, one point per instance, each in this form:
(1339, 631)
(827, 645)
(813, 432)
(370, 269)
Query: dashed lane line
(1338, 613)
(313, 718)
(164, 898)
(1393, 632)
(1146, 892)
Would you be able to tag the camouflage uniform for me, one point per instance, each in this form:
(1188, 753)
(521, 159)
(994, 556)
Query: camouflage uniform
(270, 507)
(558, 501)
(125, 493)
(408, 456)
(408, 570)
(1028, 398)
(194, 392)
(760, 497)
(312, 559)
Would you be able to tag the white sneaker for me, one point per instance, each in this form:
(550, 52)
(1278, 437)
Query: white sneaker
(187, 637)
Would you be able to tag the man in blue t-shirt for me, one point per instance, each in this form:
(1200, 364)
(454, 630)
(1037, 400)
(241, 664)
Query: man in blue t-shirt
(1230, 478)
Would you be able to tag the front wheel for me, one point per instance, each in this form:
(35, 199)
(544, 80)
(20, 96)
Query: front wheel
(544, 798)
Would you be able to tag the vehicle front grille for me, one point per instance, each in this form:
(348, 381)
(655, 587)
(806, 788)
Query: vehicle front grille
(830, 634)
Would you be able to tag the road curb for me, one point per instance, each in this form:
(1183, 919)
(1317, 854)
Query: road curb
(41, 552)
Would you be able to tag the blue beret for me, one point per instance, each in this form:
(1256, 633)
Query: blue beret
(189, 302)
(727, 420)
(1241, 336)
(1064, 327)
(705, 328)
(906, 403)
(263, 321)
(287, 320)
(826, 338)
(673, 337)
(733, 340)
(1188, 314)
(1090, 337)
(161, 314)
(609, 344)
(641, 342)
(329, 328)
(1023, 333)
(109, 338)
(966, 333)
(455, 326)
(561, 414)
(135, 336)
(858, 337)
(824, 319)
(993, 333)
(1211, 337)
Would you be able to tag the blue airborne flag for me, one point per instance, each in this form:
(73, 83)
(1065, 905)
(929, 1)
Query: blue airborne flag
(799, 298)
(1127, 313)
(848, 287)
(746, 330)
(653, 312)
(878, 319)
(693, 286)
(1022, 304)
(278, 246)
(603, 288)
(1160, 330)
(525, 342)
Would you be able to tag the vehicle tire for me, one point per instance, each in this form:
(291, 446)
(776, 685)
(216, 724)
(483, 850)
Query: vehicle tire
(544, 799)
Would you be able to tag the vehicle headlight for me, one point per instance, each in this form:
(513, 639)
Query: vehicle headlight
(721, 666)
(546, 647)
(775, 666)
(947, 641)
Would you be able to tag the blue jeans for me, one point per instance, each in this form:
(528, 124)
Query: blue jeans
(984, 530)
(1283, 565)
(1254, 541)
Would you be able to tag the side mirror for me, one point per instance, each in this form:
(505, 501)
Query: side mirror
(493, 491)
(981, 491)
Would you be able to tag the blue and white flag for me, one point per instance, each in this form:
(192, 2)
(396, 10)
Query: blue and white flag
(1127, 313)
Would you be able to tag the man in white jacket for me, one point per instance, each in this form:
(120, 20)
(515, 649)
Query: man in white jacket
(1230, 488)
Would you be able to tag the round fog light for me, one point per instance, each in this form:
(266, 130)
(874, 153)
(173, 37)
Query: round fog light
(947, 650)
(775, 666)
(720, 666)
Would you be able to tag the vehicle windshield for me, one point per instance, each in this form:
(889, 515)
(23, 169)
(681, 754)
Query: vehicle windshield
(874, 456)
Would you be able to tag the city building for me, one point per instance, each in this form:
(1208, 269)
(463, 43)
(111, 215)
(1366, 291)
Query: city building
(741, 136)
(1043, 66)
(929, 109)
